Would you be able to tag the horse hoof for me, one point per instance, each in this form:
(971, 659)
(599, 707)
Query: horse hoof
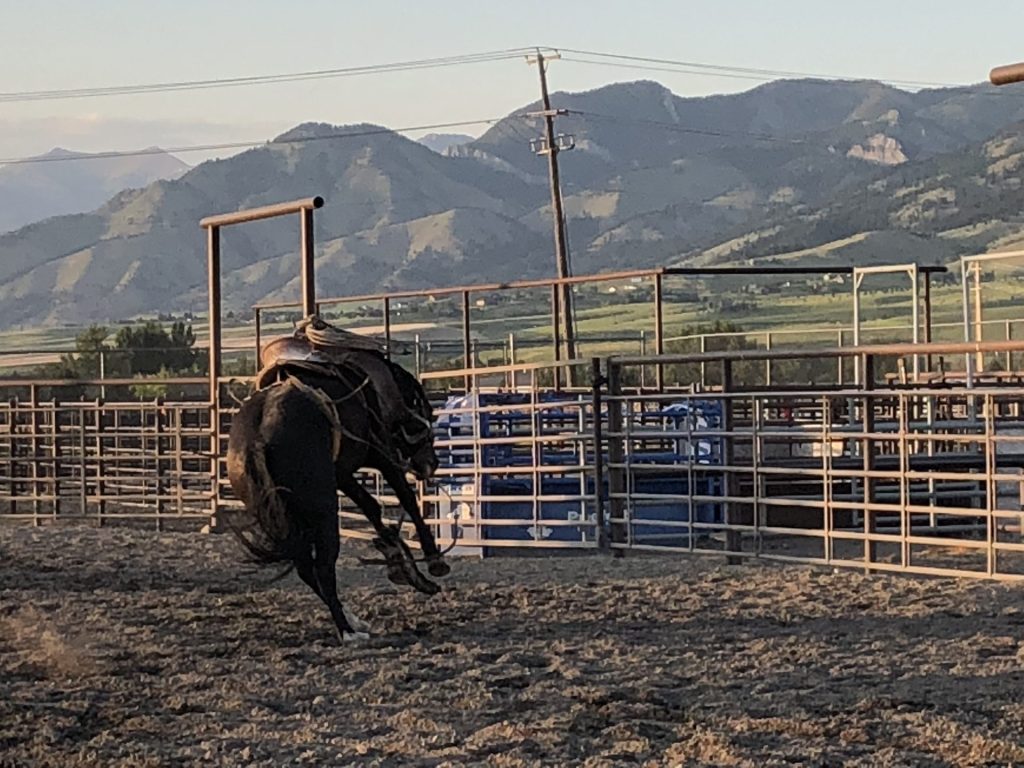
(398, 576)
(427, 587)
(354, 637)
(438, 568)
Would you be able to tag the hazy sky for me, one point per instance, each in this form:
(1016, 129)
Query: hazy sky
(72, 43)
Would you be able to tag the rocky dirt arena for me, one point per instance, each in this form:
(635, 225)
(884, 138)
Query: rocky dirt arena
(122, 647)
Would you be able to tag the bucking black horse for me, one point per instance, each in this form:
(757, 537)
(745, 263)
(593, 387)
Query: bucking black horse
(300, 439)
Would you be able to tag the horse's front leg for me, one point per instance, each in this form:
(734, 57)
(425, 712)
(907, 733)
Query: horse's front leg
(401, 567)
(407, 498)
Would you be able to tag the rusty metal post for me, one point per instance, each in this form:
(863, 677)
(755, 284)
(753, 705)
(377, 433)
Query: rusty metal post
(659, 330)
(703, 341)
(387, 325)
(616, 473)
(213, 277)
(928, 317)
(733, 541)
(55, 456)
(1009, 354)
(840, 377)
(101, 469)
(979, 320)
(868, 459)
(308, 269)
(467, 352)
(213, 312)
(259, 339)
(556, 342)
(597, 383)
(556, 334)
(36, 457)
(83, 470)
(158, 430)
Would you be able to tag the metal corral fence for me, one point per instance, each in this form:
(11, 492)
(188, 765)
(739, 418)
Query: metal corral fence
(105, 461)
(915, 478)
(886, 475)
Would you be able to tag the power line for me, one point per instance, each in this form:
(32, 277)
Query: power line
(227, 82)
(603, 58)
(753, 73)
(675, 127)
(247, 144)
(674, 70)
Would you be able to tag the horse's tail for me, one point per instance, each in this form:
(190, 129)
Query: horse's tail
(268, 532)
(264, 527)
(273, 532)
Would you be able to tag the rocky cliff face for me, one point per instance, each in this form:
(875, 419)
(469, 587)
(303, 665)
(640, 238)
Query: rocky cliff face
(879, 149)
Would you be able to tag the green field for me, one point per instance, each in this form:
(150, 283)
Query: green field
(609, 324)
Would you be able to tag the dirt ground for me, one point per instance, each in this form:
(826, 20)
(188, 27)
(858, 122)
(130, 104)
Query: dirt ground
(122, 647)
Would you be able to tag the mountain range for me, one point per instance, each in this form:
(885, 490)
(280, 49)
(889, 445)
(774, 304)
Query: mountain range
(63, 182)
(801, 171)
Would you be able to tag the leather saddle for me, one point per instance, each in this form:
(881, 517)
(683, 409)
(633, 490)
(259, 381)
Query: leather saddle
(299, 351)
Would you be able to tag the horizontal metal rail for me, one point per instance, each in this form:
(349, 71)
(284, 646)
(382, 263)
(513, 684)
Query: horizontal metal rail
(264, 212)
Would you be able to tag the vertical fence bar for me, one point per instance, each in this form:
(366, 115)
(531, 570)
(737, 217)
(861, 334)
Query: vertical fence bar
(158, 429)
(827, 480)
(55, 456)
(703, 341)
(101, 503)
(965, 301)
(387, 326)
(213, 278)
(35, 423)
(179, 464)
(868, 458)
(840, 373)
(904, 482)
(597, 380)
(979, 324)
(991, 487)
(757, 479)
(616, 481)
(733, 541)
(928, 316)
(643, 353)
(309, 306)
(915, 284)
(556, 339)
(659, 330)
(83, 477)
(1009, 354)
(467, 353)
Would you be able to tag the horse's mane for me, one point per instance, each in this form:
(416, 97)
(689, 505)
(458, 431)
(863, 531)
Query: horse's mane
(412, 390)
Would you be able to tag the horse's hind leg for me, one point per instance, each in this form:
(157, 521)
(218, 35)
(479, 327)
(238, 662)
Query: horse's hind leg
(324, 562)
(307, 572)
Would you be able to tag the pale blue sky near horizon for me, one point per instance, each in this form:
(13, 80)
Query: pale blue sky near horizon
(72, 44)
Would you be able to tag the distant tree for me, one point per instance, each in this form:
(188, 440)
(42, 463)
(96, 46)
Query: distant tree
(84, 363)
(150, 349)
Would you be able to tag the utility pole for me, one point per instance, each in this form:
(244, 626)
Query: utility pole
(551, 145)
